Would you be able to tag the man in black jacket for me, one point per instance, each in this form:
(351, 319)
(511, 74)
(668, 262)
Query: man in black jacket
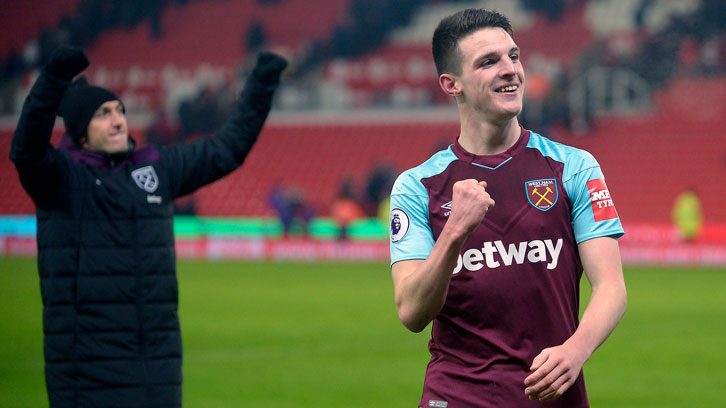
(105, 232)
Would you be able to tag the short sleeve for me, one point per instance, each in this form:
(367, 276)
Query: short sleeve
(593, 209)
(410, 233)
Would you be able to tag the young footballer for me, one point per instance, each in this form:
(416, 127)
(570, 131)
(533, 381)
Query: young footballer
(489, 239)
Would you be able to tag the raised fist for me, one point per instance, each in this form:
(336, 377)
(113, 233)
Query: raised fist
(269, 67)
(66, 62)
(470, 203)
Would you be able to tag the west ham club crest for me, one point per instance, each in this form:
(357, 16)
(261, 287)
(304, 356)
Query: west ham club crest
(145, 177)
(542, 194)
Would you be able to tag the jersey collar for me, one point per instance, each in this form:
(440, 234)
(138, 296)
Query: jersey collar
(496, 160)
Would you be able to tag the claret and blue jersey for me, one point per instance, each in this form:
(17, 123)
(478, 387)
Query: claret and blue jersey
(515, 288)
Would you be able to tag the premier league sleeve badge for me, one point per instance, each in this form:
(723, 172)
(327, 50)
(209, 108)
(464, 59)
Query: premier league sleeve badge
(399, 223)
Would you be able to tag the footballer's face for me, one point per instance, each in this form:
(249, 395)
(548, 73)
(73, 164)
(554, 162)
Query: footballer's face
(491, 78)
(107, 131)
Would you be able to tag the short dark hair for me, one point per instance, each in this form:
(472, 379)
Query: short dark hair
(445, 43)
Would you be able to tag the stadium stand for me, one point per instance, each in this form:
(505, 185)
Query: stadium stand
(317, 158)
(648, 155)
(187, 38)
(23, 21)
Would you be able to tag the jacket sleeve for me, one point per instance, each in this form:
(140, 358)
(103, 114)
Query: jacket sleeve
(205, 160)
(39, 164)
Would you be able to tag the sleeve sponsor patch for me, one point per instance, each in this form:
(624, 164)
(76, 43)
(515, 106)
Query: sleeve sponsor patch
(603, 207)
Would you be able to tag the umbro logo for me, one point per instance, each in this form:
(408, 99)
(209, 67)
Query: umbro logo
(447, 206)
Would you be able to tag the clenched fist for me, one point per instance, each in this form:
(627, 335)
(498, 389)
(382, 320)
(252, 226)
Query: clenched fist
(66, 62)
(269, 67)
(469, 204)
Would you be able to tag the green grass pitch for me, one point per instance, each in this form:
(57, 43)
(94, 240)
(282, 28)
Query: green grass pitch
(280, 335)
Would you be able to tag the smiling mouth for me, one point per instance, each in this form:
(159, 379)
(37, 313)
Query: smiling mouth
(506, 89)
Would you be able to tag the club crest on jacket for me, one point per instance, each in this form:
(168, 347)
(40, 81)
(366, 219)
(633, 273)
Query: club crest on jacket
(145, 177)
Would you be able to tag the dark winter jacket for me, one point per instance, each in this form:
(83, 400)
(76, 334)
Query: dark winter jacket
(106, 249)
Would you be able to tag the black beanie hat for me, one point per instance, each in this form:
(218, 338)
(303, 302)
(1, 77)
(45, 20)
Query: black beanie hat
(78, 105)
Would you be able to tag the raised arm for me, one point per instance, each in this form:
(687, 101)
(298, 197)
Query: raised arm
(208, 159)
(421, 286)
(31, 150)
